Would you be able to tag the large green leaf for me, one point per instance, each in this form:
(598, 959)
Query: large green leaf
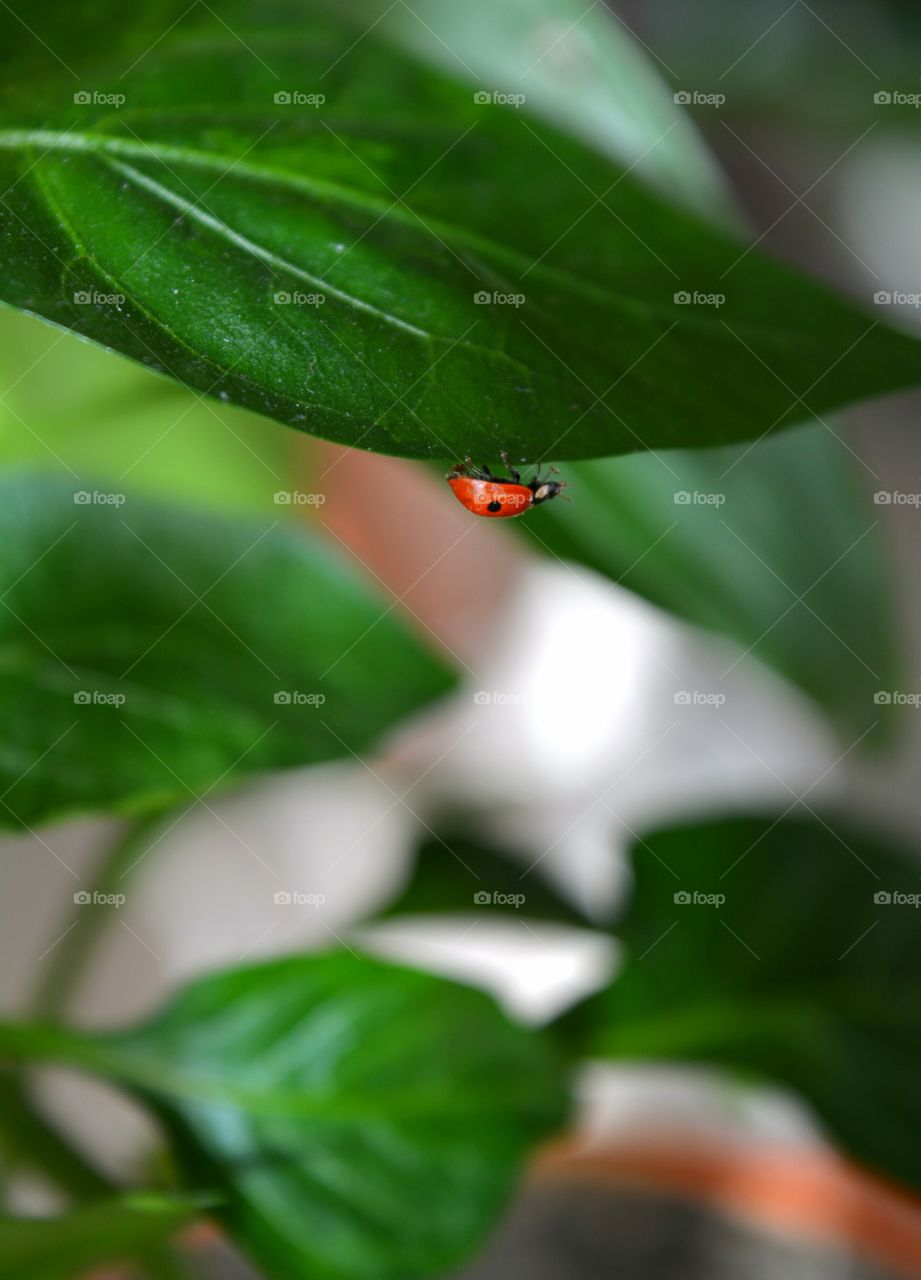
(361, 1120)
(782, 948)
(166, 226)
(112, 1231)
(775, 546)
(148, 653)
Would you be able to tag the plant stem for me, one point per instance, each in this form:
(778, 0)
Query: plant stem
(31, 1140)
(69, 956)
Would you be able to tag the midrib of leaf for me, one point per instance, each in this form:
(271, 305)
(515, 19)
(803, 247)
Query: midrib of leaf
(208, 220)
(195, 211)
(136, 1068)
(104, 147)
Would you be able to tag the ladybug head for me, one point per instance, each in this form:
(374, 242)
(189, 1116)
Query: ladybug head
(544, 490)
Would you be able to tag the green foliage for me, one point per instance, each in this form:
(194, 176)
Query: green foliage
(292, 206)
(150, 228)
(358, 1120)
(785, 949)
(450, 872)
(771, 545)
(148, 655)
(108, 1232)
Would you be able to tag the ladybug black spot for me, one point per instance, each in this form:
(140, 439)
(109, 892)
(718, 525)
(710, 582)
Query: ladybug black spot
(494, 506)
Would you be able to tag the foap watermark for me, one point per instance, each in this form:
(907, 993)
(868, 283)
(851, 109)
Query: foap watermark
(698, 698)
(896, 898)
(498, 98)
(685, 498)
(896, 98)
(85, 898)
(484, 698)
(697, 98)
(896, 498)
(297, 498)
(97, 698)
(93, 298)
(95, 98)
(294, 698)
(513, 498)
(896, 298)
(495, 898)
(896, 698)
(98, 498)
(485, 298)
(284, 298)
(687, 298)
(694, 898)
(295, 898)
(298, 98)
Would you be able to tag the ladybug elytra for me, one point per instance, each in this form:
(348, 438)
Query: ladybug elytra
(477, 489)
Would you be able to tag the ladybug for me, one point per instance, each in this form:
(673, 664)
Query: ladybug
(484, 494)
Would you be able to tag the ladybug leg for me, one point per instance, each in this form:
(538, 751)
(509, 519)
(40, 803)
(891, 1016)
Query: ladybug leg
(513, 472)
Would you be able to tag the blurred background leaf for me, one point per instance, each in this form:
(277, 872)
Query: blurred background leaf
(449, 872)
(67, 404)
(775, 546)
(148, 655)
(112, 1231)
(579, 66)
(803, 971)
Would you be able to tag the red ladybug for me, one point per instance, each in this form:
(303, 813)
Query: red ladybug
(484, 494)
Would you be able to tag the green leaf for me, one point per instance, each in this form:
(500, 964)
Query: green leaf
(773, 546)
(166, 225)
(359, 1120)
(451, 874)
(578, 66)
(107, 1232)
(149, 654)
(783, 948)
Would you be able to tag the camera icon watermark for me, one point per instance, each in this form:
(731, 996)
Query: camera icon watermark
(485, 298)
(93, 298)
(295, 898)
(96, 698)
(896, 698)
(295, 698)
(93, 98)
(896, 298)
(696, 98)
(286, 298)
(896, 498)
(296, 498)
(298, 98)
(896, 898)
(697, 698)
(84, 498)
(495, 97)
(686, 498)
(495, 898)
(487, 698)
(83, 898)
(685, 298)
(896, 98)
(694, 898)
